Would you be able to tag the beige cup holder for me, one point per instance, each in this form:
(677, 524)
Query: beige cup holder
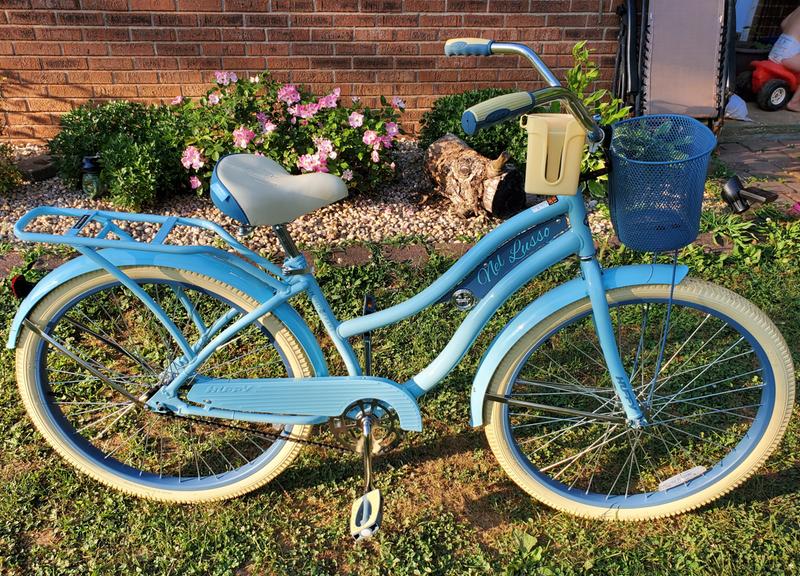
(555, 149)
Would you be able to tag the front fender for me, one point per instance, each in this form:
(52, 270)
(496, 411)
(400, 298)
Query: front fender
(545, 305)
(239, 274)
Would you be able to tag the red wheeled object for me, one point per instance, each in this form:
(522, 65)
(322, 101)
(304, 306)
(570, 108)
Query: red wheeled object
(769, 83)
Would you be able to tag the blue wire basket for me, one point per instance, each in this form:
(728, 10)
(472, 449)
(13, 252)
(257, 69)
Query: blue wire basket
(659, 165)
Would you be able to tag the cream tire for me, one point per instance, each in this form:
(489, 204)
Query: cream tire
(747, 315)
(26, 366)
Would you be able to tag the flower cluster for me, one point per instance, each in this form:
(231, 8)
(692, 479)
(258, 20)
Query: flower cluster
(302, 132)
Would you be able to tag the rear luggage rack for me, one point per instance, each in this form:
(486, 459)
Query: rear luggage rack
(109, 223)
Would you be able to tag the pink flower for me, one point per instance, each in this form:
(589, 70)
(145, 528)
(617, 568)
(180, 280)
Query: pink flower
(392, 166)
(194, 182)
(192, 158)
(324, 148)
(386, 141)
(177, 100)
(304, 110)
(242, 136)
(392, 129)
(213, 98)
(331, 100)
(355, 120)
(398, 103)
(370, 137)
(225, 78)
(375, 156)
(267, 125)
(347, 175)
(312, 163)
(288, 93)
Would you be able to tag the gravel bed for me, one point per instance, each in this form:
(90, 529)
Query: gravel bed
(391, 212)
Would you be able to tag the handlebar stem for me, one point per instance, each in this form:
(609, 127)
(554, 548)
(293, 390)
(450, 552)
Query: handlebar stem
(576, 107)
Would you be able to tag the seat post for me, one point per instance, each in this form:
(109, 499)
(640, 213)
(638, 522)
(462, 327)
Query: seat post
(286, 241)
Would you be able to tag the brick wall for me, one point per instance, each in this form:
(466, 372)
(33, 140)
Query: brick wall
(56, 54)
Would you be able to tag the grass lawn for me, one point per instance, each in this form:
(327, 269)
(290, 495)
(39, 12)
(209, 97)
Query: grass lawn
(449, 508)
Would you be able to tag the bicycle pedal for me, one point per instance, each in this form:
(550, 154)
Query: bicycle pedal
(366, 515)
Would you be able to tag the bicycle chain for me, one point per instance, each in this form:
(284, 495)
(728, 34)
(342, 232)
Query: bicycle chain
(268, 435)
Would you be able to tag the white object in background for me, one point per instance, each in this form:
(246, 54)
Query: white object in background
(737, 109)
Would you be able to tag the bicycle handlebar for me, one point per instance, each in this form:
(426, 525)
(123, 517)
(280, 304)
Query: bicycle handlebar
(508, 106)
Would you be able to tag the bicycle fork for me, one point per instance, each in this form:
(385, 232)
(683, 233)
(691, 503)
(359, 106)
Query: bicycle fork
(592, 275)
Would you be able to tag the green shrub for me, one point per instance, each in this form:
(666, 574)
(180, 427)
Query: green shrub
(10, 177)
(301, 132)
(445, 116)
(139, 148)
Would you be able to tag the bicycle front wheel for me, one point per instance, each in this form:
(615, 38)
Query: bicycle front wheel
(96, 327)
(716, 408)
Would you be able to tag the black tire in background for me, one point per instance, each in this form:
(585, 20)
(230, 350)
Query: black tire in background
(774, 95)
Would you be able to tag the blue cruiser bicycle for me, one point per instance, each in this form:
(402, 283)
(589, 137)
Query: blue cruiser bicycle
(184, 373)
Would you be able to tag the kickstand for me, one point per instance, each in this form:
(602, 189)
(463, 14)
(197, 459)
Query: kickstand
(367, 511)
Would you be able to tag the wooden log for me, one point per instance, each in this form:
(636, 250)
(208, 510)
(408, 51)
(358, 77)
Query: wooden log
(473, 183)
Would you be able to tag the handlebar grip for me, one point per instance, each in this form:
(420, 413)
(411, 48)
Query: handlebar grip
(496, 110)
(468, 47)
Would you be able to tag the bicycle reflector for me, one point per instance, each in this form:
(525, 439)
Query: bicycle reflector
(20, 287)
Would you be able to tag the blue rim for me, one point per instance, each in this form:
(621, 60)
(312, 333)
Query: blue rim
(80, 444)
(728, 464)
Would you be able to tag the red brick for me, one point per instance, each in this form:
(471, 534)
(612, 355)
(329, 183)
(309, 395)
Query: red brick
(152, 5)
(179, 49)
(483, 21)
(354, 76)
(89, 77)
(292, 5)
(14, 63)
(331, 35)
(372, 63)
(312, 76)
(110, 63)
(247, 5)
(58, 34)
(243, 63)
(156, 63)
(56, 4)
(513, 6)
(327, 63)
(224, 49)
(115, 91)
(357, 49)
(180, 77)
(12, 89)
(467, 5)
(199, 35)
(174, 20)
(18, 33)
(337, 5)
(288, 34)
(49, 105)
(45, 132)
(414, 34)
(222, 20)
(32, 18)
(393, 20)
(279, 63)
(268, 49)
(159, 90)
(135, 77)
(72, 91)
(391, 76)
(266, 20)
(17, 104)
(437, 20)
(382, 6)
(110, 34)
(354, 20)
(303, 49)
(80, 18)
(425, 5)
(396, 49)
(373, 35)
(153, 35)
(129, 19)
(309, 20)
(243, 35)
(85, 49)
(200, 63)
(199, 5)
(105, 5)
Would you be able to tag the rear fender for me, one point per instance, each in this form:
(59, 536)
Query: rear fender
(547, 304)
(239, 274)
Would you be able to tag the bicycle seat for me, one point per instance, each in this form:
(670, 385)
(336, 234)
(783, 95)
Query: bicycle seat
(256, 190)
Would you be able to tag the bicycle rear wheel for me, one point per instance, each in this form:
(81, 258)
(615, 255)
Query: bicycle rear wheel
(104, 432)
(718, 407)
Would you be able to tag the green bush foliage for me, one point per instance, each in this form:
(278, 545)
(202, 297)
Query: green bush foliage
(445, 116)
(301, 132)
(139, 148)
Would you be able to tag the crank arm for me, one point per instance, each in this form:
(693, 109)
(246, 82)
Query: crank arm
(556, 409)
(83, 363)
